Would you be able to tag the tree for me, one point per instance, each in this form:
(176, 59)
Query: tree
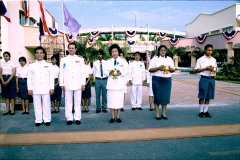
(176, 53)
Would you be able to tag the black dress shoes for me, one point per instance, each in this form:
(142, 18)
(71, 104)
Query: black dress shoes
(26, 112)
(69, 122)
(151, 109)
(119, 120)
(78, 122)
(111, 120)
(37, 124)
(133, 109)
(6, 113)
(139, 108)
(12, 113)
(105, 111)
(202, 115)
(207, 115)
(23, 113)
(98, 111)
(158, 118)
(164, 117)
(48, 123)
(122, 109)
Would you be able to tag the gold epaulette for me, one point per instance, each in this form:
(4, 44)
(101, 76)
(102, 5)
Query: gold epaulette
(32, 62)
(79, 56)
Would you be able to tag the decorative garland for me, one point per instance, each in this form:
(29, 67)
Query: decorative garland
(69, 37)
(90, 41)
(229, 34)
(201, 38)
(131, 42)
(94, 34)
(162, 35)
(130, 33)
(53, 31)
(173, 41)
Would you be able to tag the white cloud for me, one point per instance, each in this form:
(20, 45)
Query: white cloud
(108, 3)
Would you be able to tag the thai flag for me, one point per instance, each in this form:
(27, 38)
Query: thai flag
(3, 11)
(25, 6)
(42, 22)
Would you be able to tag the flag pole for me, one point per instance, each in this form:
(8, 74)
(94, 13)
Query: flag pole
(64, 51)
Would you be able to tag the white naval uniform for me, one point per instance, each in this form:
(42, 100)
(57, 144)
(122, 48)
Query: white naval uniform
(116, 87)
(137, 76)
(40, 80)
(72, 77)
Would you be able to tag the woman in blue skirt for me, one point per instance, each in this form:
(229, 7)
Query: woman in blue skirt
(57, 89)
(21, 83)
(7, 75)
(86, 94)
(161, 67)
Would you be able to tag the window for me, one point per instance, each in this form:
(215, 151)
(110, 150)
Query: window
(22, 18)
(215, 32)
(205, 34)
(227, 28)
(32, 21)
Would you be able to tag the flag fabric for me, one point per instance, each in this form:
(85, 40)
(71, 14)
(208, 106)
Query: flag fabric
(3, 11)
(43, 24)
(70, 22)
(25, 6)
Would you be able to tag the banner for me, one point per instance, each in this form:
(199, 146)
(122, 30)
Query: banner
(229, 34)
(201, 38)
(173, 41)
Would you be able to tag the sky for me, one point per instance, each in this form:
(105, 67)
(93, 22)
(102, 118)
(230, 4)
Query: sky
(164, 15)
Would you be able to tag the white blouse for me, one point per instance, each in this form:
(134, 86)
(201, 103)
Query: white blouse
(56, 71)
(22, 72)
(88, 70)
(7, 67)
(158, 61)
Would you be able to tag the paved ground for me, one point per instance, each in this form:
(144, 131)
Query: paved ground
(140, 136)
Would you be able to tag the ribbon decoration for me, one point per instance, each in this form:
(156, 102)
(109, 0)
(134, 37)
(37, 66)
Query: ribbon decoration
(90, 41)
(69, 37)
(53, 31)
(131, 42)
(173, 41)
(201, 38)
(130, 33)
(162, 35)
(229, 34)
(94, 34)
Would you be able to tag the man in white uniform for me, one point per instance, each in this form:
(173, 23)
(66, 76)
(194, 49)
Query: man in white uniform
(40, 82)
(136, 79)
(72, 81)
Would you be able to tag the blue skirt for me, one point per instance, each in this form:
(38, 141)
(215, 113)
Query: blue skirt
(161, 89)
(9, 91)
(87, 92)
(206, 88)
(22, 85)
(57, 92)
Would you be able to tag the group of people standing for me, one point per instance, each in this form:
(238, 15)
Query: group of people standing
(46, 81)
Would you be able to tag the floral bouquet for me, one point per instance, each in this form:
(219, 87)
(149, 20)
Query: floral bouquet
(214, 70)
(115, 72)
(166, 69)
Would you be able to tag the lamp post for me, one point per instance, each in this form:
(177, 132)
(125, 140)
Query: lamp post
(174, 32)
(148, 32)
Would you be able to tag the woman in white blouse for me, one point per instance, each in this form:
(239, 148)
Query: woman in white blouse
(161, 68)
(7, 73)
(86, 94)
(21, 83)
(57, 95)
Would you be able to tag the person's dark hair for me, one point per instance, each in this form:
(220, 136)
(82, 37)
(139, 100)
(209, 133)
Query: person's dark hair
(22, 59)
(84, 57)
(40, 47)
(72, 44)
(208, 45)
(8, 53)
(159, 48)
(137, 53)
(100, 51)
(114, 46)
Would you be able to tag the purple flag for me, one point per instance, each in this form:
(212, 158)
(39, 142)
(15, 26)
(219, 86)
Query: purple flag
(70, 22)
